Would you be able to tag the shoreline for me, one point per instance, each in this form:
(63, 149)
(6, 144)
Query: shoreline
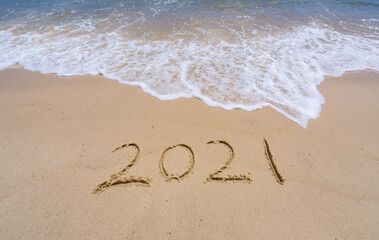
(213, 105)
(58, 136)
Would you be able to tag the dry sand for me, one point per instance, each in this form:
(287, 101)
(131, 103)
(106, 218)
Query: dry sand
(56, 141)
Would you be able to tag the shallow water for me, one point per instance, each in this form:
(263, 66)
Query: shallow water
(230, 54)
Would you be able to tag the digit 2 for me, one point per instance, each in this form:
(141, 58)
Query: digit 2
(115, 179)
(214, 176)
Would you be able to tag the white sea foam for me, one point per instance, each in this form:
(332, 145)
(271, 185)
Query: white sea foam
(279, 70)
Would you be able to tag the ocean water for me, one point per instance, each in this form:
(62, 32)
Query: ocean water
(243, 54)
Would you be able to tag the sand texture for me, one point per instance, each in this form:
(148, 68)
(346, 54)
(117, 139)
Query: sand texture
(90, 158)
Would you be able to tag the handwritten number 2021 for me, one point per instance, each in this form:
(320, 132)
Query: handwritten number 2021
(119, 179)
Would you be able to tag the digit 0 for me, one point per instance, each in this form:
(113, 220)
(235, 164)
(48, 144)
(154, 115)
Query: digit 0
(171, 176)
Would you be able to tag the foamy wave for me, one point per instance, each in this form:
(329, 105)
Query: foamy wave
(281, 71)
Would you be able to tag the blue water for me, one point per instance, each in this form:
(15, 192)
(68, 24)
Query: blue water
(230, 54)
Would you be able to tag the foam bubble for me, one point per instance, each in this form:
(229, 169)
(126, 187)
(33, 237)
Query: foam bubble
(280, 70)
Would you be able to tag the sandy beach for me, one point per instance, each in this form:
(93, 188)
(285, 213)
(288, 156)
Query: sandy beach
(62, 137)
